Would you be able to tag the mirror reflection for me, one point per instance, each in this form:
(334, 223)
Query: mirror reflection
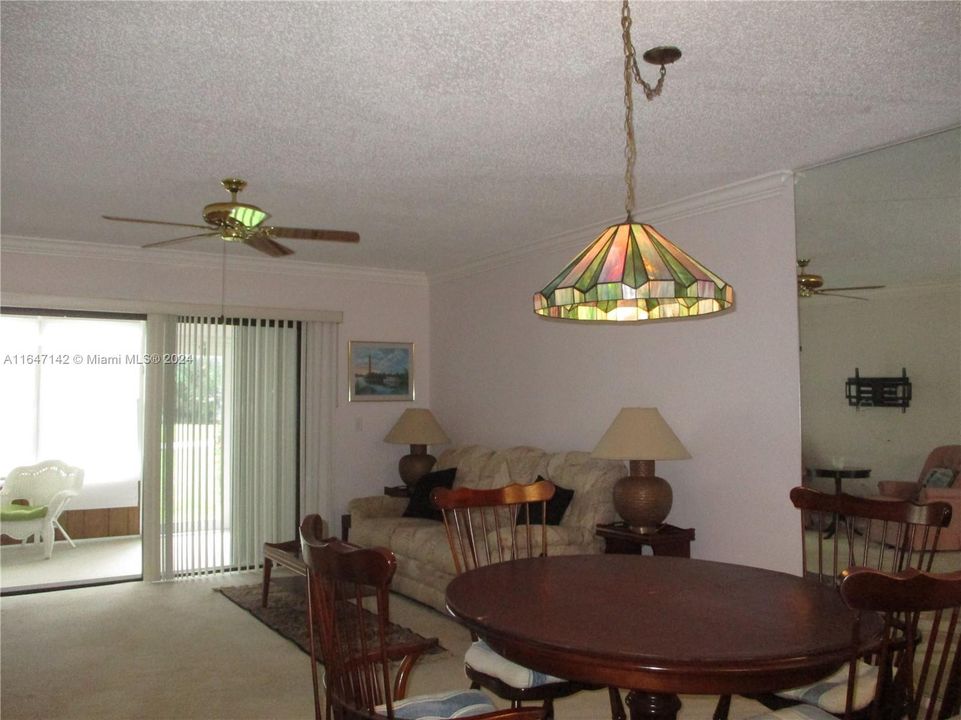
(885, 223)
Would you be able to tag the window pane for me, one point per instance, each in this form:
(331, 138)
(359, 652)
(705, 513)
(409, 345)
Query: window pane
(19, 339)
(84, 406)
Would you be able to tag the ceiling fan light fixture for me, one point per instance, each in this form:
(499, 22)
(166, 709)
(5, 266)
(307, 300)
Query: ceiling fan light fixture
(226, 213)
(630, 272)
(810, 284)
(242, 223)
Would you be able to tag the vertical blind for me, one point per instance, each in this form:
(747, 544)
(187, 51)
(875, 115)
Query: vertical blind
(229, 457)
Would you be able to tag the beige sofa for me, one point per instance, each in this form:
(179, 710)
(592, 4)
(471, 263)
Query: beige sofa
(424, 564)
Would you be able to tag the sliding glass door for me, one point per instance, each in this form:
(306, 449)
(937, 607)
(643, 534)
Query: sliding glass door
(72, 389)
(229, 448)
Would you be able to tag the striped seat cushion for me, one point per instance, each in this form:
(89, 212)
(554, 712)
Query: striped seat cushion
(830, 693)
(480, 657)
(798, 712)
(440, 706)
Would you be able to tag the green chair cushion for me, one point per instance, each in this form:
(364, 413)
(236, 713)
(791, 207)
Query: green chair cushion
(22, 512)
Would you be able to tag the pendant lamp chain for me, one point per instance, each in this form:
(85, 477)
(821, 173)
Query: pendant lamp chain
(633, 74)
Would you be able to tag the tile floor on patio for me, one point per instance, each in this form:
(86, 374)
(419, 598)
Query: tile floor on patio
(23, 566)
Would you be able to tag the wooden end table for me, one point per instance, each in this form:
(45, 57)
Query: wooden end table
(285, 554)
(669, 540)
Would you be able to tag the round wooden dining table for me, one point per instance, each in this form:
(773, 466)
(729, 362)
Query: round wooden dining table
(659, 626)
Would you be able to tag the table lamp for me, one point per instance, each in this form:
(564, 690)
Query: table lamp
(641, 436)
(418, 428)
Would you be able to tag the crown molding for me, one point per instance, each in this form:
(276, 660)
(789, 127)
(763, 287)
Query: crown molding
(124, 306)
(740, 193)
(178, 259)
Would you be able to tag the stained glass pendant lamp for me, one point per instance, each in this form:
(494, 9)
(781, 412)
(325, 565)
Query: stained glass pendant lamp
(631, 272)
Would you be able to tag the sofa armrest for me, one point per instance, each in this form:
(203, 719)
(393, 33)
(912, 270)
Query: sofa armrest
(949, 495)
(901, 489)
(376, 506)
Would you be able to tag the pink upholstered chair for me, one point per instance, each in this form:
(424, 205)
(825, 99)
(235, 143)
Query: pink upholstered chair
(946, 456)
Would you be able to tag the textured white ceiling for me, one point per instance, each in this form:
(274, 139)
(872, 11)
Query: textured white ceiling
(441, 132)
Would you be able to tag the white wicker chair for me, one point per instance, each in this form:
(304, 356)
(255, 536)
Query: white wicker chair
(47, 487)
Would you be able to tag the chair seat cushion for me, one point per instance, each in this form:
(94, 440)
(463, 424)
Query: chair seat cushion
(480, 657)
(798, 712)
(830, 693)
(22, 512)
(454, 704)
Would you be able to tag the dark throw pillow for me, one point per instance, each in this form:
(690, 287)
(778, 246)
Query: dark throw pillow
(420, 505)
(556, 506)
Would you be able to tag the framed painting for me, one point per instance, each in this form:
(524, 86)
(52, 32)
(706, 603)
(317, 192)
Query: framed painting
(380, 371)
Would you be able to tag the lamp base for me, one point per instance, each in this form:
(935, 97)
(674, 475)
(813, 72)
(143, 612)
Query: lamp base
(644, 502)
(414, 466)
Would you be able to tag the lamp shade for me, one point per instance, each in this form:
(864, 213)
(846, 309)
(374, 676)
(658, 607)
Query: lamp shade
(417, 426)
(630, 273)
(640, 434)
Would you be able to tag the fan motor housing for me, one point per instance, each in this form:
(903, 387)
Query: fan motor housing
(810, 282)
(228, 214)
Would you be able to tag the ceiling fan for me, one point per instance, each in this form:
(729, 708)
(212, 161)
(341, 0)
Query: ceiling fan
(809, 284)
(239, 222)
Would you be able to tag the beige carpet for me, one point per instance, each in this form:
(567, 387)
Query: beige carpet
(177, 651)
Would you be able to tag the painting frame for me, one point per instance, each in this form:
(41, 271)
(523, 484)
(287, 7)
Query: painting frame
(380, 371)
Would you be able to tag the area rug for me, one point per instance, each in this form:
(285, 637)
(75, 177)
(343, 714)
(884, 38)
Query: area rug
(286, 612)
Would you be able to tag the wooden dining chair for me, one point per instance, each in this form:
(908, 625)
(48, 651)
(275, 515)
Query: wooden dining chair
(919, 655)
(884, 535)
(889, 535)
(348, 596)
(499, 525)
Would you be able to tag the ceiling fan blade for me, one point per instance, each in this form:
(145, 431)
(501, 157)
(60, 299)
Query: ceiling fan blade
(260, 241)
(853, 287)
(848, 297)
(154, 222)
(180, 239)
(308, 234)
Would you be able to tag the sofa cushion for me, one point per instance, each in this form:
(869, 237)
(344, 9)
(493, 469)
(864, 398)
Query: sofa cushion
(380, 531)
(560, 540)
(420, 505)
(427, 541)
(592, 481)
(513, 465)
(468, 459)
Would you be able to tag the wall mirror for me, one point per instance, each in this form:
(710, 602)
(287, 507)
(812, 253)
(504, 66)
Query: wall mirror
(889, 217)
